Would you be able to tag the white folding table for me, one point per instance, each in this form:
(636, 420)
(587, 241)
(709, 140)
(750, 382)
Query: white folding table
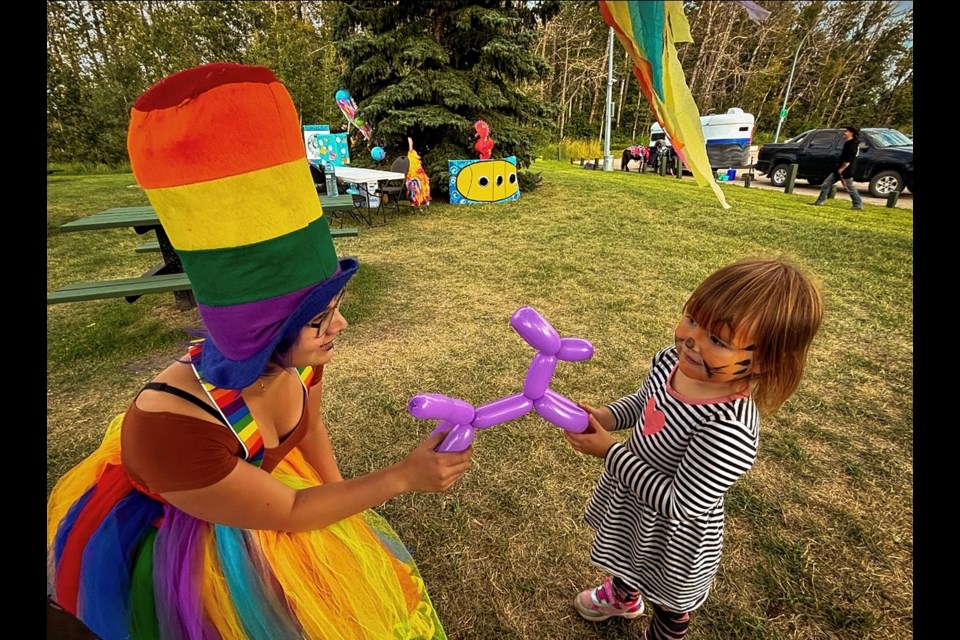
(367, 181)
(370, 177)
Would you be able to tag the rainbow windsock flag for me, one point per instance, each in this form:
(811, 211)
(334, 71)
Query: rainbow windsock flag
(648, 30)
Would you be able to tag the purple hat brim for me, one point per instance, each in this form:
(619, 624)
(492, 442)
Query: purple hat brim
(225, 373)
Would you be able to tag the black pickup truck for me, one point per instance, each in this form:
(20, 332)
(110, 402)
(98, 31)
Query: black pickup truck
(885, 159)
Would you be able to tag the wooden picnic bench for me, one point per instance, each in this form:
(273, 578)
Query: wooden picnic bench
(167, 276)
(129, 288)
(343, 232)
(147, 218)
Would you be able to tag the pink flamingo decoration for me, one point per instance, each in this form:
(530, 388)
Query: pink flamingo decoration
(484, 143)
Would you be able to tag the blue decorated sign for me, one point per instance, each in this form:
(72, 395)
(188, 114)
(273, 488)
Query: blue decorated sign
(324, 147)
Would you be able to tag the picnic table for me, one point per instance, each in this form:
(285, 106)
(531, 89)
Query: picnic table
(167, 275)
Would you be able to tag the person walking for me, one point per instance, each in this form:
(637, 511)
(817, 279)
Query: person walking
(844, 171)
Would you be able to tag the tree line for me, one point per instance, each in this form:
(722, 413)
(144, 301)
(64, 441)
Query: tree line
(535, 71)
(854, 65)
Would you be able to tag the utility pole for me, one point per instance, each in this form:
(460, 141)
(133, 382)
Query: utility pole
(786, 96)
(607, 158)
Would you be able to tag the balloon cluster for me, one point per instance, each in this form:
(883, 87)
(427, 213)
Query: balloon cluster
(484, 143)
(349, 109)
(462, 420)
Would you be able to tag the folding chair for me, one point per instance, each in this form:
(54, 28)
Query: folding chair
(358, 192)
(319, 175)
(391, 192)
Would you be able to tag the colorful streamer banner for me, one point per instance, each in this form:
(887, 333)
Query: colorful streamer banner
(648, 30)
(756, 13)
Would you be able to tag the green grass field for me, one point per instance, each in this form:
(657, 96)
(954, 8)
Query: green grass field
(819, 541)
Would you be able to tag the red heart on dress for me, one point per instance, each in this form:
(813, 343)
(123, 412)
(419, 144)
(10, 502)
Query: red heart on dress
(653, 418)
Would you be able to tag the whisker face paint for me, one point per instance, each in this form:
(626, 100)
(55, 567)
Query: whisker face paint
(712, 371)
(709, 357)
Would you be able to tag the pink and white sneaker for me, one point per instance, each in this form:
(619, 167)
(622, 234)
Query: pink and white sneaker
(602, 603)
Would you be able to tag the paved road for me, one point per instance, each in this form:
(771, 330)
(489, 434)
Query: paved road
(801, 188)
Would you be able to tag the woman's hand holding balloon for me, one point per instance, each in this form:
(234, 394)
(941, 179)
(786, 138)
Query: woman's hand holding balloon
(430, 471)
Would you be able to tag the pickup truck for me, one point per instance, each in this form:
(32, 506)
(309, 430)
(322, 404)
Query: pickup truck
(885, 160)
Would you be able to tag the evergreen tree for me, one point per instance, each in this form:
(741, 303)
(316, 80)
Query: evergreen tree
(431, 70)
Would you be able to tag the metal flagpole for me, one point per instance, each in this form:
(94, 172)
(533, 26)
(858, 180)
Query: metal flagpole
(786, 96)
(607, 158)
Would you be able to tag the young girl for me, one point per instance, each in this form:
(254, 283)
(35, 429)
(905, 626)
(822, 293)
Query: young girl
(739, 349)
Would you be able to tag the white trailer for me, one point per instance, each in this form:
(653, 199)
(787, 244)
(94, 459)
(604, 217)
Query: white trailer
(727, 135)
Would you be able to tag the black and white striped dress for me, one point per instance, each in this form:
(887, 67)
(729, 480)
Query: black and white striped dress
(658, 507)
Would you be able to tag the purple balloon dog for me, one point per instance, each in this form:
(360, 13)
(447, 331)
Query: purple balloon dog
(462, 420)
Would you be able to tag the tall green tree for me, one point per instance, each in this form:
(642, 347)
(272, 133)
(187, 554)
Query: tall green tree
(431, 70)
(293, 39)
(102, 55)
(93, 70)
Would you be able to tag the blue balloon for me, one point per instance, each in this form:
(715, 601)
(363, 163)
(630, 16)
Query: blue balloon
(342, 94)
(378, 153)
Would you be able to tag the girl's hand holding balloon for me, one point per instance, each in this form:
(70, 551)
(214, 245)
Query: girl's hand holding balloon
(603, 415)
(594, 441)
(430, 471)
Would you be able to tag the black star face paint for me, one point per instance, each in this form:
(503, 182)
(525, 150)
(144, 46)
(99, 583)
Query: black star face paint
(710, 357)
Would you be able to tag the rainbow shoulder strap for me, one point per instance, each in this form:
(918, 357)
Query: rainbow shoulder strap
(234, 409)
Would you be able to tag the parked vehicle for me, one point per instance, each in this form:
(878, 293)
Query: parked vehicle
(727, 136)
(885, 160)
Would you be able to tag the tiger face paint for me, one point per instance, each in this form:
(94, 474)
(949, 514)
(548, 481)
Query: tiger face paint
(714, 358)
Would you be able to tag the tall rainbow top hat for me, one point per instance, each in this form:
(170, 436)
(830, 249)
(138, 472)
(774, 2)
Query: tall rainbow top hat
(219, 151)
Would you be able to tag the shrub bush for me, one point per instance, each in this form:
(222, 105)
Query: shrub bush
(529, 180)
(573, 148)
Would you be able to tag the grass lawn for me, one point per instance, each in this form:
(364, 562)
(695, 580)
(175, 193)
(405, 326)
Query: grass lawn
(819, 540)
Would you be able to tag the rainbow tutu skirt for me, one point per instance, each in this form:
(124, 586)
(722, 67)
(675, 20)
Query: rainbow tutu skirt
(131, 566)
